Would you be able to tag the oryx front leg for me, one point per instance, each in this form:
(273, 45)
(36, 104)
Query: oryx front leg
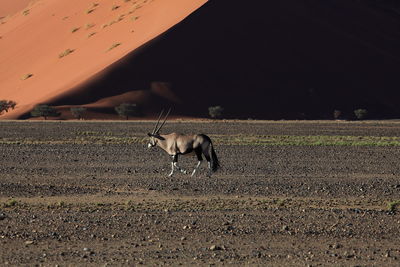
(174, 165)
(197, 166)
(172, 170)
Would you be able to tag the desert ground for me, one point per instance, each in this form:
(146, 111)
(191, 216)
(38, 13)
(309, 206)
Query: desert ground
(288, 194)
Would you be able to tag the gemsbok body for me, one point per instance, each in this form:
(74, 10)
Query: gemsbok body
(181, 144)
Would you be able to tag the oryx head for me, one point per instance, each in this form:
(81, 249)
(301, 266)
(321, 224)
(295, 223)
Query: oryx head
(155, 135)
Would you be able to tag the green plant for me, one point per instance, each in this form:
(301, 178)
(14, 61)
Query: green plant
(44, 111)
(65, 53)
(215, 112)
(11, 203)
(392, 206)
(6, 105)
(361, 113)
(78, 112)
(126, 110)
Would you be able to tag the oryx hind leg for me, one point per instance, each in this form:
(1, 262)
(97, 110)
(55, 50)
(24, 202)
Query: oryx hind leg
(208, 158)
(175, 165)
(200, 160)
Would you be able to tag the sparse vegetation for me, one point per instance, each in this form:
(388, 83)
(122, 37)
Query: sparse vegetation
(215, 112)
(115, 7)
(361, 114)
(6, 105)
(89, 25)
(126, 110)
(66, 53)
(10, 203)
(26, 76)
(337, 114)
(113, 46)
(392, 206)
(92, 8)
(44, 111)
(91, 34)
(134, 18)
(75, 29)
(78, 112)
(26, 12)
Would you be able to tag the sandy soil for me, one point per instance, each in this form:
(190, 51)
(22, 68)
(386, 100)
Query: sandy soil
(89, 203)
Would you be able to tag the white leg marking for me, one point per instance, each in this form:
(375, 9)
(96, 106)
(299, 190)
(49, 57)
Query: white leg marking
(197, 166)
(179, 168)
(209, 169)
(172, 170)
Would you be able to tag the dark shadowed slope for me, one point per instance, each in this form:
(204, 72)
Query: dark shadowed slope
(267, 59)
(274, 59)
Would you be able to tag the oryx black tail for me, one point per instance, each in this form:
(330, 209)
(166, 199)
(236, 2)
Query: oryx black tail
(214, 159)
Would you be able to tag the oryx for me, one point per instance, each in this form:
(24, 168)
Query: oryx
(180, 144)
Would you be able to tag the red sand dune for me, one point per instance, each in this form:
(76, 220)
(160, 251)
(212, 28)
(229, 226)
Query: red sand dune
(10, 7)
(35, 65)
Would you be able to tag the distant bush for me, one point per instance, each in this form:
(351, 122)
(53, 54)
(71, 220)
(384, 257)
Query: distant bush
(126, 110)
(75, 29)
(26, 76)
(361, 114)
(113, 46)
(44, 111)
(337, 114)
(6, 105)
(215, 112)
(65, 53)
(78, 112)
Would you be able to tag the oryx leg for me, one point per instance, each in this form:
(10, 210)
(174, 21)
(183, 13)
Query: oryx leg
(200, 158)
(174, 165)
(208, 158)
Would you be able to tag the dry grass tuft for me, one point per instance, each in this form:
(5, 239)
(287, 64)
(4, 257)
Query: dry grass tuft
(65, 53)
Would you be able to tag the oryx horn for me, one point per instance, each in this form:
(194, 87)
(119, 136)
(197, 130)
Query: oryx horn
(165, 119)
(158, 121)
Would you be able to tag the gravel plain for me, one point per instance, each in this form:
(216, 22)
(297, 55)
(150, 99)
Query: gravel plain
(81, 193)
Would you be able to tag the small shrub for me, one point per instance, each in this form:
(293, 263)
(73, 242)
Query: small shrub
(78, 112)
(89, 25)
(392, 206)
(44, 111)
(115, 7)
(113, 46)
(361, 114)
(26, 12)
(75, 29)
(11, 203)
(337, 114)
(215, 112)
(65, 53)
(6, 105)
(26, 76)
(126, 110)
(91, 34)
